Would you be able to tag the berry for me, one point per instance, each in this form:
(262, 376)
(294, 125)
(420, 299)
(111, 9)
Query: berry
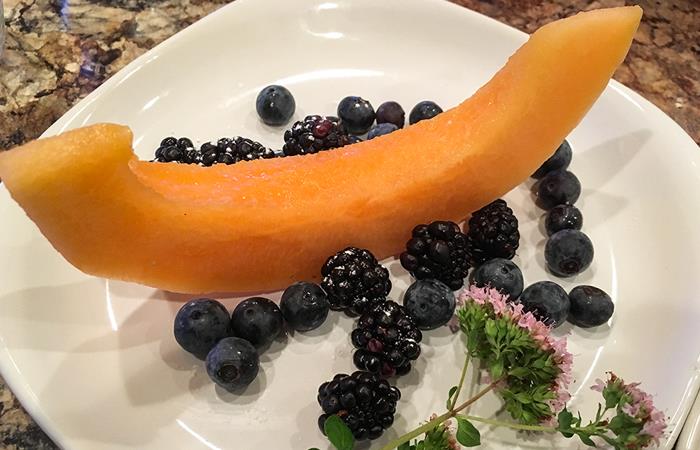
(233, 363)
(225, 151)
(431, 303)
(275, 105)
(356, 113)
(354, 139)
(176, 150)
(362, 400)
(231, 151)
(558, 187)
(258, 320)
(355, 281)
(560, 160)
(501, 274)
(424, 110)
(437, 251)
(380, 130)
(391, 112)
(547, 301)
(563, 217)
(568, 252)
(168, 142)
(590, 306)
(387, 340)
(493, 233)
(200, 324)
(314, 134)
(304, 306)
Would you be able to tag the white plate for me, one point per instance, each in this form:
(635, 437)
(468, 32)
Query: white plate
(95, 362)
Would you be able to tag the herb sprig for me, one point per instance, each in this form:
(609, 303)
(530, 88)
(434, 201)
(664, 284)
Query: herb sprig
(530, 370)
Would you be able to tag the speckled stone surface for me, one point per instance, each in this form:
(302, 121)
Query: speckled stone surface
(57, 51)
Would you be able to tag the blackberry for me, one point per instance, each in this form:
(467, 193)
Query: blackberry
(387, 340)
(362, 400)
(354, 281)
(233, 150)
(493, 233)
(180, 150)
(437, 251)
(225, 151)
(314, 134)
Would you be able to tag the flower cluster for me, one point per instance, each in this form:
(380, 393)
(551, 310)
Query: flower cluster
(442, 437)
(637, 422)
(517, 349)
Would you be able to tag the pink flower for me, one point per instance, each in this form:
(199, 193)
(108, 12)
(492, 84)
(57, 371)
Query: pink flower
(599, 385)
(637, 404)
(539, 332)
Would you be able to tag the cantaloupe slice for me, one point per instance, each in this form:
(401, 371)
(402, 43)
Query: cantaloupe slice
(261, 225)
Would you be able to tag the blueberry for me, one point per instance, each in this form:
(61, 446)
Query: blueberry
(501, 274)
(424, 110)
(258, 320)
(357, 114)
(200, 324)
(560, 160)
(590, 306)
(275, 105)
(380, 130)
(547, 301)
(391, 112)
(568, 252)
(558, 187)
(354, 139)
(563, 217)
(304, 306)
(430, 302)
(233, 363)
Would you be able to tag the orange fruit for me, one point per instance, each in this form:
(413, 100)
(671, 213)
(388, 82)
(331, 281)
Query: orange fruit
(263, 224)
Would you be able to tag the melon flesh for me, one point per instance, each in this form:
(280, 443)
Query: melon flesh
(260, 225)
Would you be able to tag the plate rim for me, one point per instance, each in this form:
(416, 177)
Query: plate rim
(12, 374)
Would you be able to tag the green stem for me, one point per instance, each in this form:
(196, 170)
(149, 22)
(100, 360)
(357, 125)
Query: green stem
(461, 383)
(479, 394)
(438, 420)
(417, 432)
(515, 426)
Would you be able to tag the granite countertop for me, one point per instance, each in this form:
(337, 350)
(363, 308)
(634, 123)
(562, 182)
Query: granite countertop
(59, 51)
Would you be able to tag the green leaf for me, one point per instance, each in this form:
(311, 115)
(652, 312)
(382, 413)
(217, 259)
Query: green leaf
(313, 448)
(405, 446)
(523, 397)
(497, 369)
(586, 440)
(451, 393)
(565, 419)
(612, 396)
(491, 328)
(622, 424)
(338, 433)
(519, 372)
(467, 434)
